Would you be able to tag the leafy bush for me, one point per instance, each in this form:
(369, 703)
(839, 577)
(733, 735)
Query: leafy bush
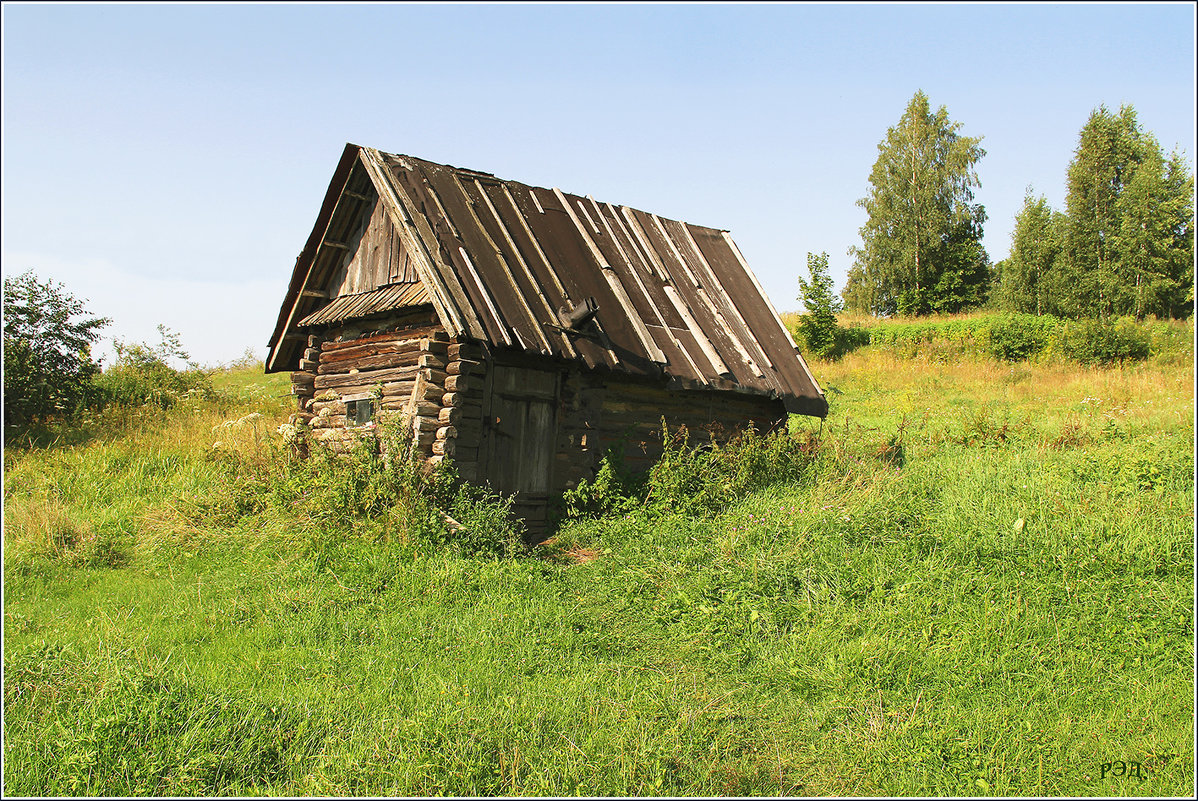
(142, 375)
(1104, 342)
(48, 367)
(1018, 337)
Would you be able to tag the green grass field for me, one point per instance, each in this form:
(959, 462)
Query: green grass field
(982, 585)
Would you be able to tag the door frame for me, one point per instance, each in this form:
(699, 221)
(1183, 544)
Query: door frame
(486, 450)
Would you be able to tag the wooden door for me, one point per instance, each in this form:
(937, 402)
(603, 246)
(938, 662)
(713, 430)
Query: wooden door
(519, 433)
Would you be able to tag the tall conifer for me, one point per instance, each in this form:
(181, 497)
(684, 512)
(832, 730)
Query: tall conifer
(1131, 223)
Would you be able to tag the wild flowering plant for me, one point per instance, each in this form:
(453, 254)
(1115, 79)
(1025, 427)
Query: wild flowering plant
(243, 435)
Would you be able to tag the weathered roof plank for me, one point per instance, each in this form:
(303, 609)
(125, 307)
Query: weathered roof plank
(533, 293)
(412, 227)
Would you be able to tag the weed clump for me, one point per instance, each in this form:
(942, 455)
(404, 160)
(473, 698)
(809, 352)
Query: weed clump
(46, 534)
(696, 480)
(377, 487)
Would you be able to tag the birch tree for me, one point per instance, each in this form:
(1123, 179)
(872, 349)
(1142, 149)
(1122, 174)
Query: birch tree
(921, 246)
(1033, 276)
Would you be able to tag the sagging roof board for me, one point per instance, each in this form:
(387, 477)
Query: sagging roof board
(501, 262)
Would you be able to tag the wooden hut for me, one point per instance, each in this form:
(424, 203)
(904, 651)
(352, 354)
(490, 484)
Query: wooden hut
(524, 331)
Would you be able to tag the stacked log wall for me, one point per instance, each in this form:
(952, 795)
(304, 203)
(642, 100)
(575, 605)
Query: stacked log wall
(424, 403)
(410, 366)
(460, 423)
(632, 412)
(303, 381)
(399, 363)
(579, 445)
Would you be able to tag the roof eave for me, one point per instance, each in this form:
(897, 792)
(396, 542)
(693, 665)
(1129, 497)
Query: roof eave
(304, 261)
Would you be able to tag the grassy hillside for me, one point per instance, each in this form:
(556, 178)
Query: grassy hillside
(972, 579)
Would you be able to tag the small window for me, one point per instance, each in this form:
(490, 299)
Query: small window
(359, 412)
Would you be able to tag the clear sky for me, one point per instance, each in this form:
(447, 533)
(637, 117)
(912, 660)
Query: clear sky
(167, 162)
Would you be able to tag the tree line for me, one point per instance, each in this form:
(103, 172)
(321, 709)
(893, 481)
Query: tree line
(1124, 245)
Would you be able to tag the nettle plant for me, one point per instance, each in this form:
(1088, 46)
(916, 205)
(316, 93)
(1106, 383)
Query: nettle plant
(700, 480)
(377, 488)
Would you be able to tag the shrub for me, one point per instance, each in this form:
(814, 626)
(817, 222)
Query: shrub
(1104, 341)
(1018, 337)
(48, 368)
(142, 375)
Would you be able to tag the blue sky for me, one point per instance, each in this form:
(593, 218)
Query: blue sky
(167, 162)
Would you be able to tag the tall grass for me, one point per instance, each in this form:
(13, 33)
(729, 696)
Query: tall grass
(972, 579)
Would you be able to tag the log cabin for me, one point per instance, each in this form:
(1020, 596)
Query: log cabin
(524, 332)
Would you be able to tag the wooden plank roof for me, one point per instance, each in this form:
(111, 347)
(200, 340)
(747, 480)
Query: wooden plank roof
(498, 259)
(363, 304)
